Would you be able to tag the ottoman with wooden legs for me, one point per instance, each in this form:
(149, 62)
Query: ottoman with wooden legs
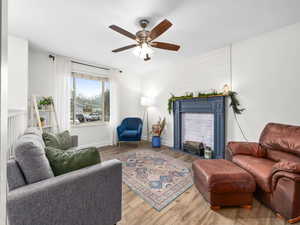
(223, 184)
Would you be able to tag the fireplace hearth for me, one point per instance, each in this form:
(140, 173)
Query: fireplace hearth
(200, 120)
(194, 147)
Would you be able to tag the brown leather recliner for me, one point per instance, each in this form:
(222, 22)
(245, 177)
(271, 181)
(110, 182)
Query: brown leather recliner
(274, 163)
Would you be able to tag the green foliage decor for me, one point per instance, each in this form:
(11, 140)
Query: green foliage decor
(46, 101)
(235, 104)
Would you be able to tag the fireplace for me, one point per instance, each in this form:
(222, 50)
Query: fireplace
(200, 120)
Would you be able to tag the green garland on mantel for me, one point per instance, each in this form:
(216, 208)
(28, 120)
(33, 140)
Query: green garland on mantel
(235, 104)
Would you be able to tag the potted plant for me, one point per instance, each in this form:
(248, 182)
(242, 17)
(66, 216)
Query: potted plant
(157, 130)
(43, 121)
(45, 103)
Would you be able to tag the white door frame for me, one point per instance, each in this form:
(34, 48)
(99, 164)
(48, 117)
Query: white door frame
(3, 110)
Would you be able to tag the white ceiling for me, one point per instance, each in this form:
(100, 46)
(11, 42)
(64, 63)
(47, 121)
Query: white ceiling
(79, 28)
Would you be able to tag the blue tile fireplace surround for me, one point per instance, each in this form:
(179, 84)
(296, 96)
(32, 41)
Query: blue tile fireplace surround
(214, 105)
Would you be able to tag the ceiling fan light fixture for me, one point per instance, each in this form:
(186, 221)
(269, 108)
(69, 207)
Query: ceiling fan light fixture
(142, 51)
(144, 39)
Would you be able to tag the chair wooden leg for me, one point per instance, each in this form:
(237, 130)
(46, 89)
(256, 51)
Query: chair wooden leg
(246, 206)
(215, 208)
(294, 220)
(290, 221)
(279, 216)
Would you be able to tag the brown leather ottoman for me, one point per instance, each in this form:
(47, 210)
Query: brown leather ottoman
(222, 183)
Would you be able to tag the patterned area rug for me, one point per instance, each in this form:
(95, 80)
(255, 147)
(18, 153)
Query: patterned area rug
(157, 178)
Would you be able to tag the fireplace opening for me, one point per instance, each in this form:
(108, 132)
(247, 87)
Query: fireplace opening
(197, 132)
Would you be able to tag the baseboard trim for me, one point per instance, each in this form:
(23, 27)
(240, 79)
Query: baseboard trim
(164, 141)
(167, 143)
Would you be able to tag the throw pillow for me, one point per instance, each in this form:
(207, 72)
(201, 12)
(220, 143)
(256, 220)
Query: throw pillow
(30, 155)
(65, 140)
(51, 139)
(66, 161)
(60, 141)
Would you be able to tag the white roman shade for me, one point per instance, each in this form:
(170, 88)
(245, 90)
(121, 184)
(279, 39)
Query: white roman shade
(94, 71)
(88, 76)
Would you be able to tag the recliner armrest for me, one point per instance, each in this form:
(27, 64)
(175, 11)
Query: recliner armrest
(280, 174)
(246, 148)
(290, 170)
(287, 166)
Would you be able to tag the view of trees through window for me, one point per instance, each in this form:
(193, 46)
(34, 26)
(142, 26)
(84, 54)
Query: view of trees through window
(90, 99)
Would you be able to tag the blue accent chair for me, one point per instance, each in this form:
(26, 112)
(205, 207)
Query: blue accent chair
(130, 129)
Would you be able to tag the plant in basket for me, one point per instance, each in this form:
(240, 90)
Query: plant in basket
(157, 130)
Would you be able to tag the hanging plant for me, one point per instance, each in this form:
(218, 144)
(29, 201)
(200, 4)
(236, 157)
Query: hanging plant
(235, 104)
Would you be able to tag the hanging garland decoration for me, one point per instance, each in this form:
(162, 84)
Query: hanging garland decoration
(235, 104)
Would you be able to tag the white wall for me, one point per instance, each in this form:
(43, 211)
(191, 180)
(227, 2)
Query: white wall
(17, 73)
(40, 73)
(210, 71)
(41, 83)
(266, 74)
(129, 95)
(98, 135)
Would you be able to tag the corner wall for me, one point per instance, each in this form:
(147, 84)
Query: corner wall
(17, 73)
(210, 71)
(40, 73)
(41, 83)
(266, 74)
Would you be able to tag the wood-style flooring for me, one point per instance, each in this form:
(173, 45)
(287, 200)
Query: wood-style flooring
(189, 208)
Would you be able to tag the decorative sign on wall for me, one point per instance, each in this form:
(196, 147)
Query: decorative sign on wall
(198, 127)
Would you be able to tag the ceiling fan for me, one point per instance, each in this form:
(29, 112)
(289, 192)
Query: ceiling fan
(145, 39)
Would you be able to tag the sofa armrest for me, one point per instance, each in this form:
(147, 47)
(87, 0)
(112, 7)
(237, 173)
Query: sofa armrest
(287, 166)
(74, 139)
(140, 131)
(87, 196)
(245, 148)
(120, 129)
(283, 174)
(287, 169)
(286, 194)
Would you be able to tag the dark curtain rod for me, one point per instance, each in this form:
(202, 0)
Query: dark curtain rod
(84, 64)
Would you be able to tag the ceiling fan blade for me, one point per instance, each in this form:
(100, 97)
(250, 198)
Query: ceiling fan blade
(159, 29)
(124, 48)
(166, 46)
(122, 31)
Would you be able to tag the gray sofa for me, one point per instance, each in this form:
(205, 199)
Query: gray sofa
(89, 196)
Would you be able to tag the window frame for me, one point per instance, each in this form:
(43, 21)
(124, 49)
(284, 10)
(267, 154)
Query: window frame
(89, 76)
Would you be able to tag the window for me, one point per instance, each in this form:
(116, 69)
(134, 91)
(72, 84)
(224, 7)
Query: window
(90, 99)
